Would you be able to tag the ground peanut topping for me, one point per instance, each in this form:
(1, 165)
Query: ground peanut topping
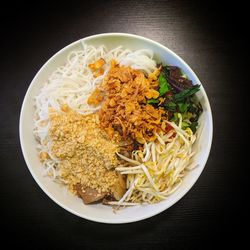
(84, 151)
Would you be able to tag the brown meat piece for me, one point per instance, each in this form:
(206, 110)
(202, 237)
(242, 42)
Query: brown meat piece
(117, 191)
(119, 188)
(88, 195)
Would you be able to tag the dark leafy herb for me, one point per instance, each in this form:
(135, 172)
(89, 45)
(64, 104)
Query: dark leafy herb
(174, 72)
(193, 108)
(152, 101)
(175, 78)
(177, 92)
(183, 107)
(166, 70)
(170, 106)
(196, 110)
(193, 126)
(175, 118)
(181, 96)
(164, 85)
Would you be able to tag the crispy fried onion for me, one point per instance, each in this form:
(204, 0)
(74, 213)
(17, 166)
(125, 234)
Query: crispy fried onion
(125, 109)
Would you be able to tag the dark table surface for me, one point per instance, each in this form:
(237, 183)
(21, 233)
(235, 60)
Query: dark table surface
(207, 37)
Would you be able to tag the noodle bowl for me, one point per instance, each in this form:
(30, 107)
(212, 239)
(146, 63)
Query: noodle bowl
(74, 82)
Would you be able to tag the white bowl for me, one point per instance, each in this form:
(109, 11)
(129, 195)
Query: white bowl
(99, 212)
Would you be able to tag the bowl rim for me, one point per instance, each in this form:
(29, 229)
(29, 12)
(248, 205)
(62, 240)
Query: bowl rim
(26, 157)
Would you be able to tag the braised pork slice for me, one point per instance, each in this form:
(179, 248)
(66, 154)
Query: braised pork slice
(88, 195)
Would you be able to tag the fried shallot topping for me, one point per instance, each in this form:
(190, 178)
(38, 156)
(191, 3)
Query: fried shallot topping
(125, 110)
(97, 67)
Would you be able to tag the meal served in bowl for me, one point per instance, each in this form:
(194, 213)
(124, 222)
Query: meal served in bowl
(117, 126)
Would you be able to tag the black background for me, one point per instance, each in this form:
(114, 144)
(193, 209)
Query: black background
(212, 39)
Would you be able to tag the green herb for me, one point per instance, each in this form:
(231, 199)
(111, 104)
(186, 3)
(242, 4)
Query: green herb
(178, 93)
(152, 101)
(183, 107)
(164, 85)
(193, 109)
(170, 106)
(185, 125)
(166, 70)
(193, 126)
(175, 118)
(181, 96)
